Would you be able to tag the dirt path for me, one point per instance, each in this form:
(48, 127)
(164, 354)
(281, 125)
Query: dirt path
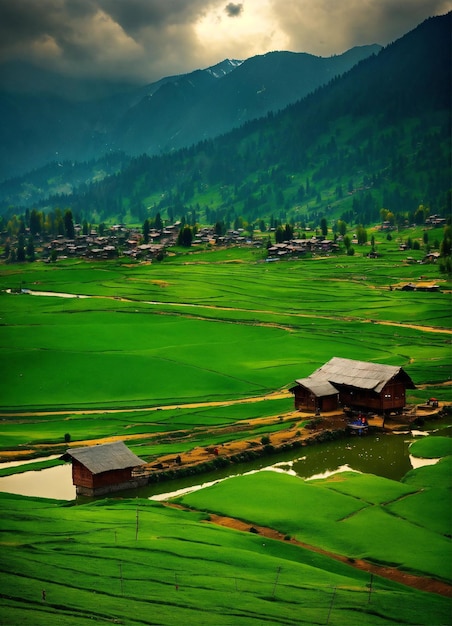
(422, 583)
(164, 407)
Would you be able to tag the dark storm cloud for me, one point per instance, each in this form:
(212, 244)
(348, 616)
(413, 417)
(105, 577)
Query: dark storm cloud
(141, 39)
(233, 10)
(144, 40)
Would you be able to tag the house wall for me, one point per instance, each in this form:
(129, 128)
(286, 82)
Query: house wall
(113, 477)
(305, 400)
(134, 483)
(81, 475)
(329, 403)
(391, 398)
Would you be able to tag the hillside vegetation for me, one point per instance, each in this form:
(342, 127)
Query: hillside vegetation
(377, 137)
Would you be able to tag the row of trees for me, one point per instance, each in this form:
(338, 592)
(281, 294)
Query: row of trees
(55, 222)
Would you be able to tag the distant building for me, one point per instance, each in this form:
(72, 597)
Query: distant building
(356, 384)
(104, 468)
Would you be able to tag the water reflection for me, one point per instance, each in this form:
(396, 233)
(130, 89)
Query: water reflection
(53, 482)
(384, 455)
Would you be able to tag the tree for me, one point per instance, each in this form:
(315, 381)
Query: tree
(324, 226)
(145, 230)
(342, 227)
(69, 224)
(35, 222)
(30, 250)
(279, 234)
(158, 223)
(288, 232)
(185, 237)
(361, 235)
(20, 256)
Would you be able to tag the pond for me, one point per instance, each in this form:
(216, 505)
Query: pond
(385, 455)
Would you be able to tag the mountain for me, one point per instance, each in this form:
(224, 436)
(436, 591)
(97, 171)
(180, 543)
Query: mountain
(376, 137)
(184, 111)
(39, 127)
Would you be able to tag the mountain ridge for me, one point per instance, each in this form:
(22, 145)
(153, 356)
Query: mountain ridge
(37, 129)
(377, 136)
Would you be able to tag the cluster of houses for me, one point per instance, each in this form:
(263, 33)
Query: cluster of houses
(117, 240)
(299, 247)
(207, 235)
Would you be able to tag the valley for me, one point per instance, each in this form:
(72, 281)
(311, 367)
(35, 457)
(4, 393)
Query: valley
(178, 265)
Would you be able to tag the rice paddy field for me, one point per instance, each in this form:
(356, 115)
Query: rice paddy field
(206, 327)
(149, 352)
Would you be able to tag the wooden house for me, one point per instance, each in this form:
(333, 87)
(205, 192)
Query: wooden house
(101, 469)
(356, 384)
(313, 394)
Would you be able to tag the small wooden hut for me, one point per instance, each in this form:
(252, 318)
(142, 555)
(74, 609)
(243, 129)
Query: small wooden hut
(104, 468)
(357, 384)
(313, 394)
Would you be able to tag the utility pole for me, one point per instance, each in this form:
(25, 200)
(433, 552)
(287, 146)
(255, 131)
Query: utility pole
(136, 529)
(331, 606)
(276, 582)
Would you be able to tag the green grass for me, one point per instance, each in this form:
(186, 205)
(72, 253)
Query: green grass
(121, 356)
(348, 515)
(218, 325)
(94, 565)
(432, 447)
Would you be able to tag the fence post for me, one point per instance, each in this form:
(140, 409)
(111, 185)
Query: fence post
(370, 588)
(276, 582)
(331, 605)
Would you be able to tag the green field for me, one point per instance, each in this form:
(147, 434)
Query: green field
(205, 327)
(219, 326)
(190, 332)
(138, 562)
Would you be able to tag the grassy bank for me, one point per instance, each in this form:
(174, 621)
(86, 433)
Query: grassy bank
(137, 562)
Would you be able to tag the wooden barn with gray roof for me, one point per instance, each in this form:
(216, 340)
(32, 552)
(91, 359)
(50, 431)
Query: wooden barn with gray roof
(103, 468)
(356, 384)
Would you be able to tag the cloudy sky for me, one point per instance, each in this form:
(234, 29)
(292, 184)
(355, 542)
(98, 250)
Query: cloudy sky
(144, 40)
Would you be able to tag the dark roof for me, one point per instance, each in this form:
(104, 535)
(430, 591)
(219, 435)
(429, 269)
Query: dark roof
(347, 372)
(104, 457)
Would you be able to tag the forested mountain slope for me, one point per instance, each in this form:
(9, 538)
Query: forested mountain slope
(379, 136)
(176, 111)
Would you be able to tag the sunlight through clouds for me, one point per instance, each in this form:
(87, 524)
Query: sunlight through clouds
(240, 30)
(141, 41)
